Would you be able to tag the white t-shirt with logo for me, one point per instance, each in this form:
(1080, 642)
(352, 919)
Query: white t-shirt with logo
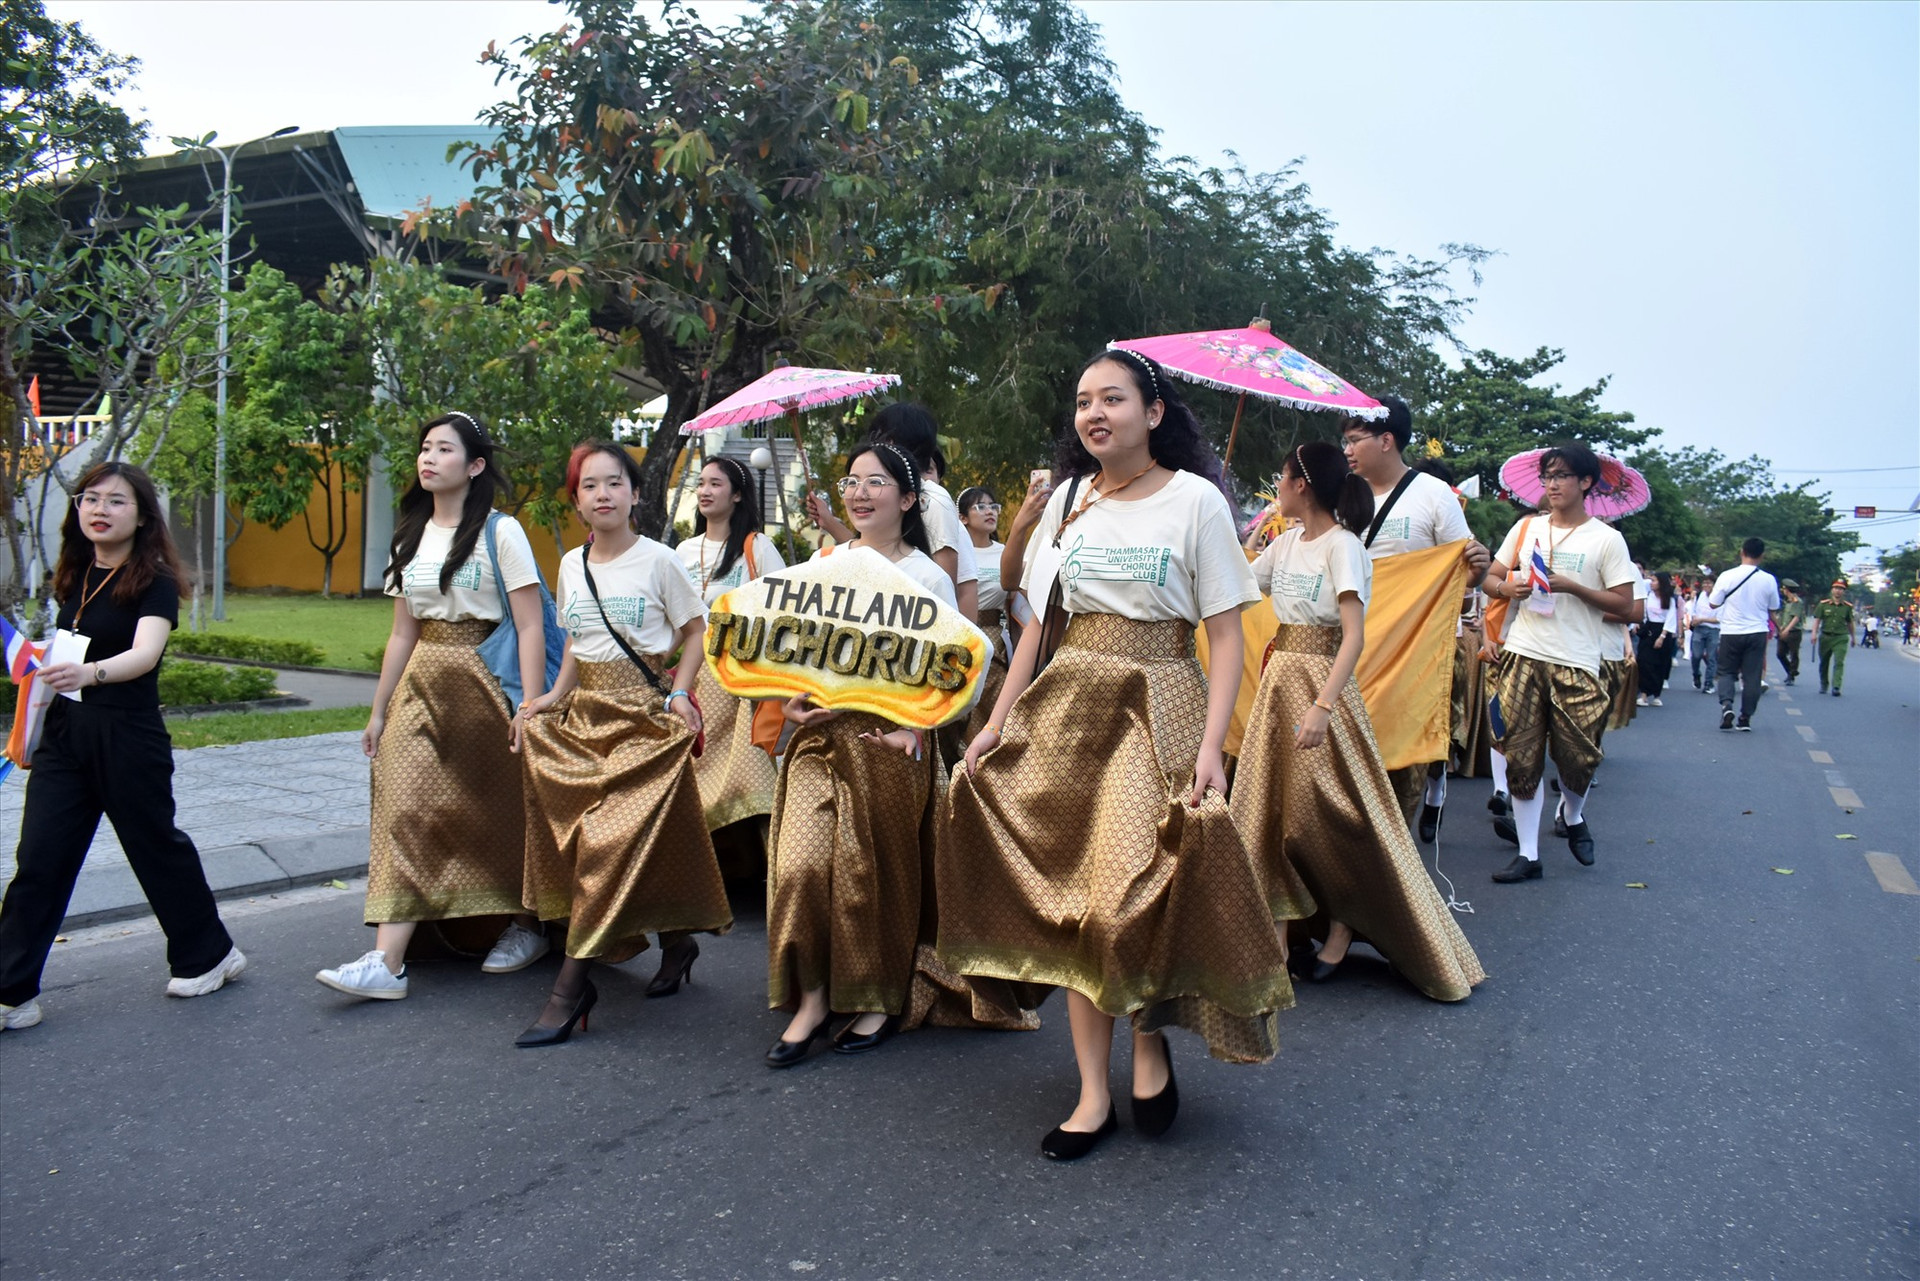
(1593, 555)
(1427, 514)
(702, 556)
(1306, 577)
(645, 593)
(1172, 555)
(992, 594)
(473, 594)
(1746, 609)
(917, 565)
(942, 518)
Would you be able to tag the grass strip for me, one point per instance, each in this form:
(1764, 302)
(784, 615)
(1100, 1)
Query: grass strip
(223, 729)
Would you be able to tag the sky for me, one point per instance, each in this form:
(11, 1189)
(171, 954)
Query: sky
(1716, 207)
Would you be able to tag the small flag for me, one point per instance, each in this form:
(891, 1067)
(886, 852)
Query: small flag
(1538, 572)
(33, 395)
(23, 664)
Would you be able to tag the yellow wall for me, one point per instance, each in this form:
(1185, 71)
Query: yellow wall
(283, 557)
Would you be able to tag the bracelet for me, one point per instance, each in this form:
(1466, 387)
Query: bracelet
(678, 693)
(991, 726)
(1325, 707)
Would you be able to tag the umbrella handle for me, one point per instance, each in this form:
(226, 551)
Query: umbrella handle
(1234, 435)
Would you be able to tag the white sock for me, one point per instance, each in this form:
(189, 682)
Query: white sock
(1437, 790)
(1499, 770)
(1526, 824)
(1572, 805)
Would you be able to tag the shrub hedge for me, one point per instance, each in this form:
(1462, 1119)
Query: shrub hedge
(258, 649)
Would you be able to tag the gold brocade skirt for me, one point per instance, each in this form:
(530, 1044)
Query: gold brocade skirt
(447, 824)
(1071, 858)
(1473, 739)
(616, 844)
(1324, 826)
(736, 778)
(991, 622)
(844, 868)
(1620, 677)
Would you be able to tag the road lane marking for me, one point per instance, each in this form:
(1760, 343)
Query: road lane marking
(1820, 757)
(1806, 732)
(1846, 798)
(1892, 874)
(1791, 711)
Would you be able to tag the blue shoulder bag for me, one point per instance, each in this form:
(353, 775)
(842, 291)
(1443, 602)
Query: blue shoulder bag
(500, 651)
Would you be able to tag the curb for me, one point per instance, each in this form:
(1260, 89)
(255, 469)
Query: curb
(276, 667)
(281, 703)
(265, 866)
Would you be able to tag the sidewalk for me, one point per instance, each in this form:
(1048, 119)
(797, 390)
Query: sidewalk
(267, 816)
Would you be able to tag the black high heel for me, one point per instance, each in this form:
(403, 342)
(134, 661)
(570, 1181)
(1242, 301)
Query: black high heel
(785, 1053)
(1153, 1117)
(537, 1037)
(672, 975)
(844, 1044)
(1070, 1145)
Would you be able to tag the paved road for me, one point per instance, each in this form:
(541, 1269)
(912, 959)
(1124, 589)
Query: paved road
(1712, 1076)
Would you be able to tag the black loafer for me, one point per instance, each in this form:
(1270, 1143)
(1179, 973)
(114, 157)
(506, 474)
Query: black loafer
(1504, 829)
(785, 1053)
(1521, 869)
(1580, 841)
(1429, 822)
(844, 1044)
(1071, 1145)
(1499, 803)
(1559, 823)
(1154, 1117)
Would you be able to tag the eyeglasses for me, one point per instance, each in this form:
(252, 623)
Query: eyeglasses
(1355, 439)
(985, 507)
(107, 502)
(1551, 476)
(849, 484)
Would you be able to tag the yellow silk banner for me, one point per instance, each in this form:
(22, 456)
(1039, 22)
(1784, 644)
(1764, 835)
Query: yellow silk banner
(1406, 669)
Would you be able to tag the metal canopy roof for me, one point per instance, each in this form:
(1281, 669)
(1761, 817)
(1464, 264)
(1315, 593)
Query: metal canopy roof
(397, 168)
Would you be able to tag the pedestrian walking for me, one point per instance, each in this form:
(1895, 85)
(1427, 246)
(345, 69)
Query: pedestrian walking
(1659, 638)
(617, 843)
(1789, 625)
(1088, 843)
(104, 749)
(980, 516)
(1746, 598)
(1311, 797)
(1703, 621)
(1833, 635)
(448, 824)
(1549, 689)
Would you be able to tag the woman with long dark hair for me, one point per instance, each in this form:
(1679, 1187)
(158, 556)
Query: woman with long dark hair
(1311, 797)
(1659, 639)
(616, 843)
(104, 750)
(1089, 844)
(448, 826)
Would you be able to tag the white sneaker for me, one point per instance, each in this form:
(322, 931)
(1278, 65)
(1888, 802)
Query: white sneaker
(368, 977)
(14, 1017)
(1641, 701)
(231, 966)
(1654, 702)
(518, 948)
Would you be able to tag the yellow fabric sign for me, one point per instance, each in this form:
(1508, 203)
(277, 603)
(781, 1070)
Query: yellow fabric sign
(1406, 669)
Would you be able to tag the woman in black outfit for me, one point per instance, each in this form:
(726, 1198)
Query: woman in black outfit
(118, 584)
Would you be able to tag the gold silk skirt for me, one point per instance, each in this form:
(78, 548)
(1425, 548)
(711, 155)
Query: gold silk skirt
(1071, 858)
(991, 622)
(447, 826)
(616, 844)
(844, 868)
(1473, 739)
(1620, 677)
(1324, 825)
(736, 778)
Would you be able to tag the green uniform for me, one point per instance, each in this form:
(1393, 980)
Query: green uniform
(1835, 618)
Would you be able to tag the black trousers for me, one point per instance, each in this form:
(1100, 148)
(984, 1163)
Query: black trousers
(1787, 649)
(95, 761)
(1743, 659)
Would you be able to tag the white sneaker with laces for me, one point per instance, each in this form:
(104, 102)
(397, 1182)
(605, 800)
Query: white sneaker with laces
(518, 948)
(15, 1017)
(368, 977)
(231, 966)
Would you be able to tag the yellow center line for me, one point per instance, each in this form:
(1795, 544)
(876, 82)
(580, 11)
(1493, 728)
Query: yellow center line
(1892, 874)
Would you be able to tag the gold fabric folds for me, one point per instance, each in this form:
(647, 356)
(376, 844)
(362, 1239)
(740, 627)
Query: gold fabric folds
(1473, 736)
(447, 824)
(996, 678)
(1325, 828)
(1071, 859)
(1550, 709)
(844, 868)
(1620, 678)
(736, 778)
(616, 844)
(1406, 670)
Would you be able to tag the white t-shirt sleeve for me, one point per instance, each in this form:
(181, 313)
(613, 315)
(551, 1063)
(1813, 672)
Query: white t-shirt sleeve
(1221, 579)
(1262, 567)
(1509, 553)
(1349, 566)
(517, 565)
(1616, 563)
(766, 556)
(676, 593)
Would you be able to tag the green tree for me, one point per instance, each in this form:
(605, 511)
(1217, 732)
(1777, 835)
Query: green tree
(1740, 500)
(1668, 533)
(1902, 567)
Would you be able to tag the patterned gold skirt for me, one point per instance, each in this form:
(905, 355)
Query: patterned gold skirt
(844, 868)
(996, 678)
(736, 778)
(447, 824)
(1071, 859)
(616, 845)
(1473, 738)
(1621, 679)
(1325, 828)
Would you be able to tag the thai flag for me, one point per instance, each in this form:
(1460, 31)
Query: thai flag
(1537, 572)
(23, 664)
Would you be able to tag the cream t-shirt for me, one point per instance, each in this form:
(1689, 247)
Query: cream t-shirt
(942, 518)
(1594, 555)
(645, 593)
(917, 565)
(992, 594)
(1172, 555)
(1427, 515)
(473, 594)
(1306, 577)
(702, 555)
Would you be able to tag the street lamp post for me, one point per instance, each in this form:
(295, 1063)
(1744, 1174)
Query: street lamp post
(761, 459)
(227, 156)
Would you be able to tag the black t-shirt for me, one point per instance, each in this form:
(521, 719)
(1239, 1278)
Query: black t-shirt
(109, 625)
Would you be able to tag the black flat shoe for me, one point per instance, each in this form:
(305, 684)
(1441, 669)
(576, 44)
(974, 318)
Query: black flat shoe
(1071, 1145)
(1499, 804)
(785, 1053)
(1559, 823)
(1429, 822)
(537, 1037)
(1521, 869)
(1309, 968)
(1580, 841)
(1153, 1117)
(676, 967)
(1503, 827)
(844, 1044)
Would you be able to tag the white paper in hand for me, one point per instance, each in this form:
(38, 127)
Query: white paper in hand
(67, 647)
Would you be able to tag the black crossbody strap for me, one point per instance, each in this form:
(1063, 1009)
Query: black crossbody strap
(1728, 594)
(1380, 516)
(618, 639)
(1073, 487)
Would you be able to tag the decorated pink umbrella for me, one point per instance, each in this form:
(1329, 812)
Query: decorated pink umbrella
(1253, 362)
(788, 389)
(1620, 491)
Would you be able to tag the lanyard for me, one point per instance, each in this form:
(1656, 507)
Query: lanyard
(86, 597)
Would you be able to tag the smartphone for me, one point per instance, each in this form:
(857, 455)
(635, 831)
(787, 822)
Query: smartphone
(1042, 476)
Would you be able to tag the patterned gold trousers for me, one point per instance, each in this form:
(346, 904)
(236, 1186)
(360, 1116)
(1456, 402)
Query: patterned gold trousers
(1549, 707)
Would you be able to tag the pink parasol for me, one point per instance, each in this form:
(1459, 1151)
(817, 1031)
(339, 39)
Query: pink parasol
(788, 389)
(1253, 362)
(1620, 491)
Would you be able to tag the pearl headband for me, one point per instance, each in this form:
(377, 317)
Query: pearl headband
(478, 430)
(1300, 461)
(1153, 379)
(913, 477)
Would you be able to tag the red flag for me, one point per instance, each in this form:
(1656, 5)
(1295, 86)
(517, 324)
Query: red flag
(33, 395)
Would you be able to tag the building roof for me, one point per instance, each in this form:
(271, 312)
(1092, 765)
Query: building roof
(397, 168)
